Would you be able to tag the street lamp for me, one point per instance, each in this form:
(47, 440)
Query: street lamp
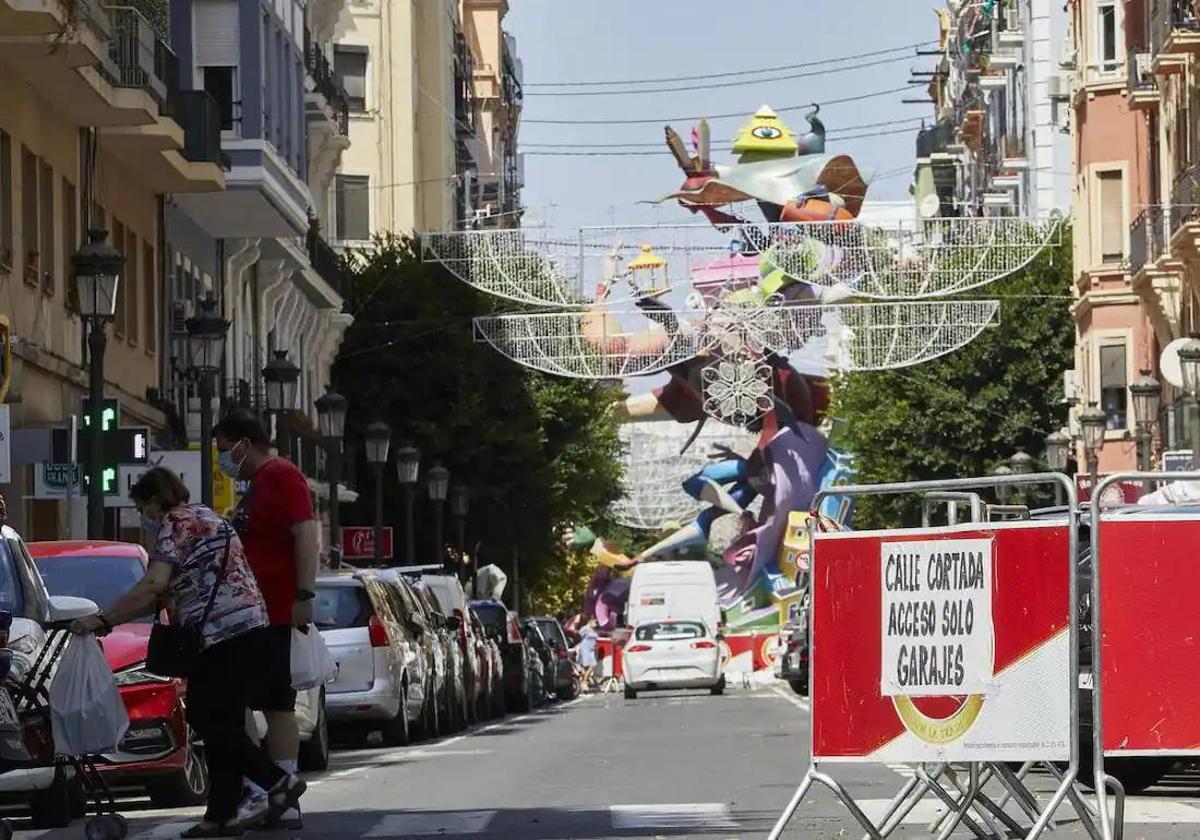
(331, 419)
(1058, 451)
(378, 439)
(408, 467)
(206, 356)
(1189, 364)
(439, 485)
(1003, 491)
(1094, 424)
(282, 380)
(460, 504)
(1146, 393)
(97, 266)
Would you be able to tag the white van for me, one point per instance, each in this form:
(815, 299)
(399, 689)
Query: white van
(674, 589)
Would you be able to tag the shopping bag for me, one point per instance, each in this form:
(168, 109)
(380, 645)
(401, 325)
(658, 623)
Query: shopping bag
(86, 713)
(311, 663)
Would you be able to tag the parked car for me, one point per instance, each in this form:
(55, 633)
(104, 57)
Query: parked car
(455, 701)
(380, 682)
(452, 600)
(564, 673)
(792, 663)
(672, 653)
(504, 626)
(545, 664)
(491, 704)
(411, 612)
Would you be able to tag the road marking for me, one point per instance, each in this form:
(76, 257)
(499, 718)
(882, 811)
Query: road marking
(798, 702)
(440, 823)
(165, 830)
(687, 815)
(1138, 811)
(903, 770)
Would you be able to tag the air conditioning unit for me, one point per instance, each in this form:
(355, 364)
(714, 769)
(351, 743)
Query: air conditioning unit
(1012, 19)
(1068, 57)
(1058, 88)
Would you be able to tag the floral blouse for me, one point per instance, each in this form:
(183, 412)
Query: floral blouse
(194, 541)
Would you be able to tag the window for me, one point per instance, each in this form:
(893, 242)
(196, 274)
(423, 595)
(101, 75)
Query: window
(46, 223)
(1113, 393)
(117, 237)
(350, 68)
(219, 84)
(1106, 35)
(150, 297)
(669, 631)
(1112, 217)
(70, 231)
(353, 207)
(133, 326)
(29, 217)
(6, 202)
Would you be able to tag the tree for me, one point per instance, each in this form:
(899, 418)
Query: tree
(961, 415)
(536, 452)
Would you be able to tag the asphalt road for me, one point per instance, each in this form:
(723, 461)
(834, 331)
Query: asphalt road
(663, 766)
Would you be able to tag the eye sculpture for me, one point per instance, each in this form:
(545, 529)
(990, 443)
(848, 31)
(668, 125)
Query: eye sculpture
(767, 132)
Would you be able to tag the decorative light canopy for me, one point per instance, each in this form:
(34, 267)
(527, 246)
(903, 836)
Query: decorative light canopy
(331, 414)
(439, 483)
(206, 334)
(1094, 424)
(97, 267)
(1146, 392)
(1058, 450)
(460, 501)
(378, 438)
(282, 380)
(1003, 491)
(1021, 462)
(1189, 363)
(408, 464)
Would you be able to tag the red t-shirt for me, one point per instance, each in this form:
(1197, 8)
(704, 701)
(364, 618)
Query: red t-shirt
(278, 498)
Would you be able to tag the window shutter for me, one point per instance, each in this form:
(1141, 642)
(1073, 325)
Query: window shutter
(216, 33)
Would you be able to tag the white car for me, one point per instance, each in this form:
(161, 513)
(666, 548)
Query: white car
(671, 654)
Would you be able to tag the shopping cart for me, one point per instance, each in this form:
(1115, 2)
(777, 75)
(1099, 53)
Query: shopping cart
(26, 736)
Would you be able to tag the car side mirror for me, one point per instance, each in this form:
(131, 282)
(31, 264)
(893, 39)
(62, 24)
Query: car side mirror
(68, 608)
(453, 622)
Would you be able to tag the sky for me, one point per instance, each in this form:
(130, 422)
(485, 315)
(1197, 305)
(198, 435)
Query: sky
(602, 40)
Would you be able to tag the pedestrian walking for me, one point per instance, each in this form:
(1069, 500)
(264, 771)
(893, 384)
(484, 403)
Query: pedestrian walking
(199, 566)
(589, 636)
(278, 528)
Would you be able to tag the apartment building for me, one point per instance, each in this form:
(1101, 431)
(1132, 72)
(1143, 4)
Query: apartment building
(434, 92)
(997, 144)
(96, 130)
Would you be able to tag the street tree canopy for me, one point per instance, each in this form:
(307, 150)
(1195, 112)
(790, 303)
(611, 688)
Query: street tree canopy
(961, 415)
(536, 452)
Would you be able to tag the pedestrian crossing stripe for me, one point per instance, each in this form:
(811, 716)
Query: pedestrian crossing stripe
(696, 815)
(1138, 811)
(438, 823)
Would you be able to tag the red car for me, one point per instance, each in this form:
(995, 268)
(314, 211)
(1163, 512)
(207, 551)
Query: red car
(159, 753)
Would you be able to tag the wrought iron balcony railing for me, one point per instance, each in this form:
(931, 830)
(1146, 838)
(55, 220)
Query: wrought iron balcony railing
(141, 58)
(325, 83)
(1141, 71)
(326, 262)
(1185, 198)
(935, 139)
(200, 117)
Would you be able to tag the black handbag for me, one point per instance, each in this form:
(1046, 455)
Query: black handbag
(172, 651)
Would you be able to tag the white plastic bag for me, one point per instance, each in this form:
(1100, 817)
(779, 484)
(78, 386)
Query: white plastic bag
(87, 715)
(311, 663)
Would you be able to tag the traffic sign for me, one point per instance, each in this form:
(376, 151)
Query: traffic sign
(183, 462)
(51, 480)
(359, 543)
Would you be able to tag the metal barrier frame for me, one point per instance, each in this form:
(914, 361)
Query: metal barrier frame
(905, 801)
(1110, 830)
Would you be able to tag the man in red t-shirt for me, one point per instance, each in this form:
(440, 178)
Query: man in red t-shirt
(280, 533)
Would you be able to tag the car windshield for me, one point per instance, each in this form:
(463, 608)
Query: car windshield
(669, 631)
(12, 598)
(551, 631)
(493, 616)
(341, 607)
(101, 579)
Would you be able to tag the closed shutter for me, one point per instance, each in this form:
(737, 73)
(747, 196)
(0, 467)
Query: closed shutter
(216, 33)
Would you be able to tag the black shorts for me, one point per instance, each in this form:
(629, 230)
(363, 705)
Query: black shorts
(272, 689)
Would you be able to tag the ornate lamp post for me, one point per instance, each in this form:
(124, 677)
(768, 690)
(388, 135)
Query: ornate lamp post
(206, 357)
(439, 486)
(1146, 392)
(1094, 424)
(1058, 450)
(1189, 364)
(1021, 463)
(460, 504)
(97, 266)
(408, 467)
(1003, 491)
(331, 418)
(282, 380)
(379, 438)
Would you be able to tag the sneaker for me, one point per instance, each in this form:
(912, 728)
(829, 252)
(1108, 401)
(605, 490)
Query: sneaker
(285, 796)
(253, 810)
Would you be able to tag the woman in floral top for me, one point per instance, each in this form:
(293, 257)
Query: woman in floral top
(194, 551)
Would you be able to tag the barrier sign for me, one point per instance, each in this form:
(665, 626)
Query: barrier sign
(942, 644)
(1149, 592)
(359, 543)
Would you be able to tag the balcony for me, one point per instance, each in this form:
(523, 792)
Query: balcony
(1175, 35)
(1142, 87)
(1009, 29)
(1146, 239)
(935, 139)
(327, 101)
(200, 116)
(1184, 222)
(139, 56)
(464, 89)
(326, 262)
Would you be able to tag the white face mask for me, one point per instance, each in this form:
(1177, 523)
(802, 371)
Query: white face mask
(151, 526)
(231, 465)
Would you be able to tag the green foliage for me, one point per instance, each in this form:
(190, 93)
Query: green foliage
(536, 452)
(961, 415)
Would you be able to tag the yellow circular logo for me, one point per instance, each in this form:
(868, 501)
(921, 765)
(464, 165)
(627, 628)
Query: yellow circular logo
(768, 652)
(933, 730)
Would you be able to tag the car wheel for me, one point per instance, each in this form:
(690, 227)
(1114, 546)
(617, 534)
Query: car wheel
(187, 787)
(719, 688)
(314, 753)
(630, 694)
(52, 807)
(395, 733)
(799, 686)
